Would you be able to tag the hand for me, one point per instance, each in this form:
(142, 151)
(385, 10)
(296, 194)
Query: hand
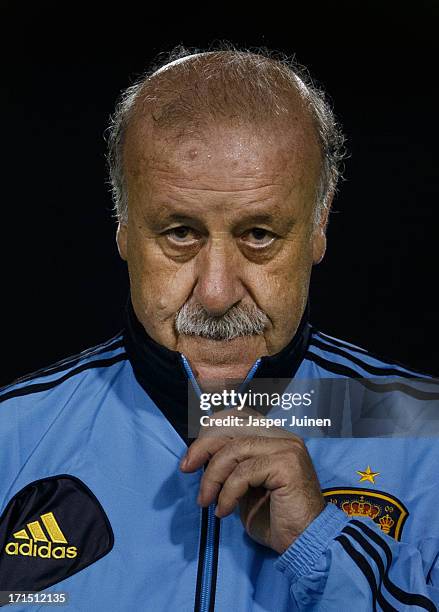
(268, 472)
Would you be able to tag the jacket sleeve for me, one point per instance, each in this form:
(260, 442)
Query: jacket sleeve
(342, 564)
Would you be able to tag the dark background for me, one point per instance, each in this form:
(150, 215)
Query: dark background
(63, 285)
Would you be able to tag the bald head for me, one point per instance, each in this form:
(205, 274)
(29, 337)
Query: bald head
(196, 94)
(195, 91)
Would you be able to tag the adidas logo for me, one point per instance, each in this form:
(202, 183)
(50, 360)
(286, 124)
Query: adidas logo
(41, 541)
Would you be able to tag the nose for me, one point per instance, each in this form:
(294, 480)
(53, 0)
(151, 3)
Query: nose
(218, 285)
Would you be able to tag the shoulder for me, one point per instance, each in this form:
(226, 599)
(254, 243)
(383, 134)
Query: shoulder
(348, 360)
(61, 375)
(44, 415)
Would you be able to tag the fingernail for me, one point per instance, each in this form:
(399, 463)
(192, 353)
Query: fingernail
(184, 462)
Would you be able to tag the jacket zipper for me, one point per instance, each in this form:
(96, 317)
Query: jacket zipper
(208, 561)
(210, 528)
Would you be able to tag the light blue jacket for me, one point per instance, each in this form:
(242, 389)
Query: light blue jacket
(88, 417)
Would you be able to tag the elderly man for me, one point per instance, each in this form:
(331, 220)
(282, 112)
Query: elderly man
(223, 166)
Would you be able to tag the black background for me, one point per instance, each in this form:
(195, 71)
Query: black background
(63, 284)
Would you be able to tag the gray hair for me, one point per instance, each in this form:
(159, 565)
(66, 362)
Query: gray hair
(262, 80)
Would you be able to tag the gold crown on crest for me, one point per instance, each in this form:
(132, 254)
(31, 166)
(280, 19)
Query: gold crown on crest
(386, 523)
(359, 507)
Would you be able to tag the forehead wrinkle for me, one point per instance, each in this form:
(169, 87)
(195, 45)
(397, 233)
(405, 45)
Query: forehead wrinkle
(240, 161)
(235, 185)
(175, 205)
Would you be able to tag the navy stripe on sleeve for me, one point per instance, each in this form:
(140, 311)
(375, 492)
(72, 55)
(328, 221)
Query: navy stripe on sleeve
(343, 370)
(356, 349)
(69, 362)
(367, 572)
(341, 343)
(383, 370)
(36, 388)
(408, 599)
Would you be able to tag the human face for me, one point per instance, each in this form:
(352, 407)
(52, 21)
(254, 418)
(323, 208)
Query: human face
(218, 220)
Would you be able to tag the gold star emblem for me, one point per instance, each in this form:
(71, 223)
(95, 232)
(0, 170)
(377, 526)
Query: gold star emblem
(368, 475)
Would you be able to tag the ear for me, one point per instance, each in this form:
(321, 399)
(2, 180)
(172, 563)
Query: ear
(122, 240)
(319, 234)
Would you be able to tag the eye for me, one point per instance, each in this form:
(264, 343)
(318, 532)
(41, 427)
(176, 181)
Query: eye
(182, 234)
(258, 237)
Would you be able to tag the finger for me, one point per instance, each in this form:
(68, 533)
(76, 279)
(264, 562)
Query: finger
(200, 451)
(254, 472)
(225, 460)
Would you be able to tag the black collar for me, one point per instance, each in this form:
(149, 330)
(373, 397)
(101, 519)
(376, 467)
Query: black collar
(161, 372)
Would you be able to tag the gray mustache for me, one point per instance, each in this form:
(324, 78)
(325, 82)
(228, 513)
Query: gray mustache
(240, 320)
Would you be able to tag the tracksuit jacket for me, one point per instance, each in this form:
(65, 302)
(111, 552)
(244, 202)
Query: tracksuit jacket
(94, 505)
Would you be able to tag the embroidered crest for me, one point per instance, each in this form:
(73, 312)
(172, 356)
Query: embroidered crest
(386, 510)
